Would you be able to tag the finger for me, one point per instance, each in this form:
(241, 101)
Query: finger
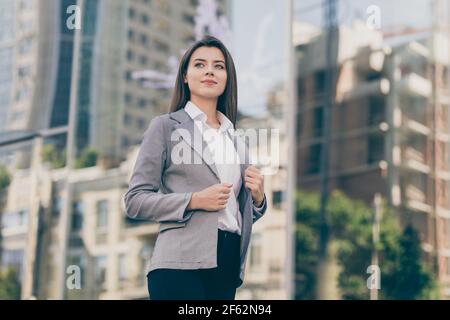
(250, 186)
(224, 196)
(226, 190)
(253, 174)
(253, 180)
(253, 169)
(253, 187)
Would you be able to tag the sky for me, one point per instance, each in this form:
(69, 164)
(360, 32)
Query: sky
(415, 13)
(260, 44)
(260, 30)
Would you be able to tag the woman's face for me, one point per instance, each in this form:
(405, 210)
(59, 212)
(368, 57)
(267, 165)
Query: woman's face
(206, 74)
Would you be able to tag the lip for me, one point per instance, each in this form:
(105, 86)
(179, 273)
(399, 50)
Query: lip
(209, 82)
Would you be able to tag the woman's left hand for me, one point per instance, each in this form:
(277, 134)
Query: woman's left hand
(254, 180)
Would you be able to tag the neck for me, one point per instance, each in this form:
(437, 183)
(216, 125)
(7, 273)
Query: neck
(208, 106)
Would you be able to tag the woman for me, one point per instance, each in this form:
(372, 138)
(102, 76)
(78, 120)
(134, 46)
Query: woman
(205, 206)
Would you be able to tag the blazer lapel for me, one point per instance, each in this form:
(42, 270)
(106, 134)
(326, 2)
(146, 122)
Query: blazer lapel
(194, 138)
(241, 148)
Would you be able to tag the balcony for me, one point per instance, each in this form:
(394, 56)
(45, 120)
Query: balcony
(415, 160)
(414, 193)
(379, 87)
(414, 154)
(415, 126)
(414, 84)
(418, 206)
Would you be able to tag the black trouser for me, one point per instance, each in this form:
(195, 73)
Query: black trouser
(218, 283)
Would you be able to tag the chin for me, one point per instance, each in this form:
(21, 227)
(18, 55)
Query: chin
(209, 94)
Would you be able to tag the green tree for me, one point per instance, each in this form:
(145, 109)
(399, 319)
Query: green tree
(306, 243)
(56, 159)
(5, 178)
(9, 285)
(350, 224)
(88, 158)
(410, 279)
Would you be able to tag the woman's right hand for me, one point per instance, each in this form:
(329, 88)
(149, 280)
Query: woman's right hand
(213, 198)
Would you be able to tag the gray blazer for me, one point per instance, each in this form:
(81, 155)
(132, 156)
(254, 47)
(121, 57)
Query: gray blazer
(160, 190)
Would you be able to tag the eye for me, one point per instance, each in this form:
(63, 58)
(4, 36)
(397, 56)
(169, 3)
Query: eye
(198, 65)
(219, 66)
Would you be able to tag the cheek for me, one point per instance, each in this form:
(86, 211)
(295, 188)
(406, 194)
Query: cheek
(193, 76)
(223, 80)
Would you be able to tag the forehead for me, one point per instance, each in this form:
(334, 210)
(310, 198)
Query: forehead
(208, 54)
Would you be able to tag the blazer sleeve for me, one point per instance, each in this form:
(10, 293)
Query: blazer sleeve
(142, 200)
(258, 212)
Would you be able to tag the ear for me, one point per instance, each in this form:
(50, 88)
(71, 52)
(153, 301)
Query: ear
(184, 79)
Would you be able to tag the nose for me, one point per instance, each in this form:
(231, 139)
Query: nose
(209, 71)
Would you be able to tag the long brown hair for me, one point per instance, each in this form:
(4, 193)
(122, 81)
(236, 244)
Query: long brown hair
(227, 102)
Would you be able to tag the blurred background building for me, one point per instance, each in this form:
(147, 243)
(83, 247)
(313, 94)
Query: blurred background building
(49, 71)
(389, 124)
(360, 101)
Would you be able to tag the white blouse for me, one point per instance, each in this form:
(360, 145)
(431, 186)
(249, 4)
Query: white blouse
(226, 160)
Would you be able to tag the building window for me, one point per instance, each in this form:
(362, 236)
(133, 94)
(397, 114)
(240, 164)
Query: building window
(375, 148)
(130, 55)
(145, 19)
(314, 154)
(143, 60)
(13, 259)
(319, 82)
(77, 216)
(144, 255)
(277, 199)
(100, 272)
(24, 72)
(130, 34)
(188, 18)
(144, 39)
(122, 269)
(25, 45)
(161, 46)
(376, 111)
(131, 13)
(102, 214)
(256, 252)
(141, 123)
(126, 119)
(15, 219)
(142, 103)
(317, 122)
(56, 206)
(125, 142)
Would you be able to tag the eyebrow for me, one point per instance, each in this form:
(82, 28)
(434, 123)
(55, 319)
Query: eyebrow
(199, 59)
